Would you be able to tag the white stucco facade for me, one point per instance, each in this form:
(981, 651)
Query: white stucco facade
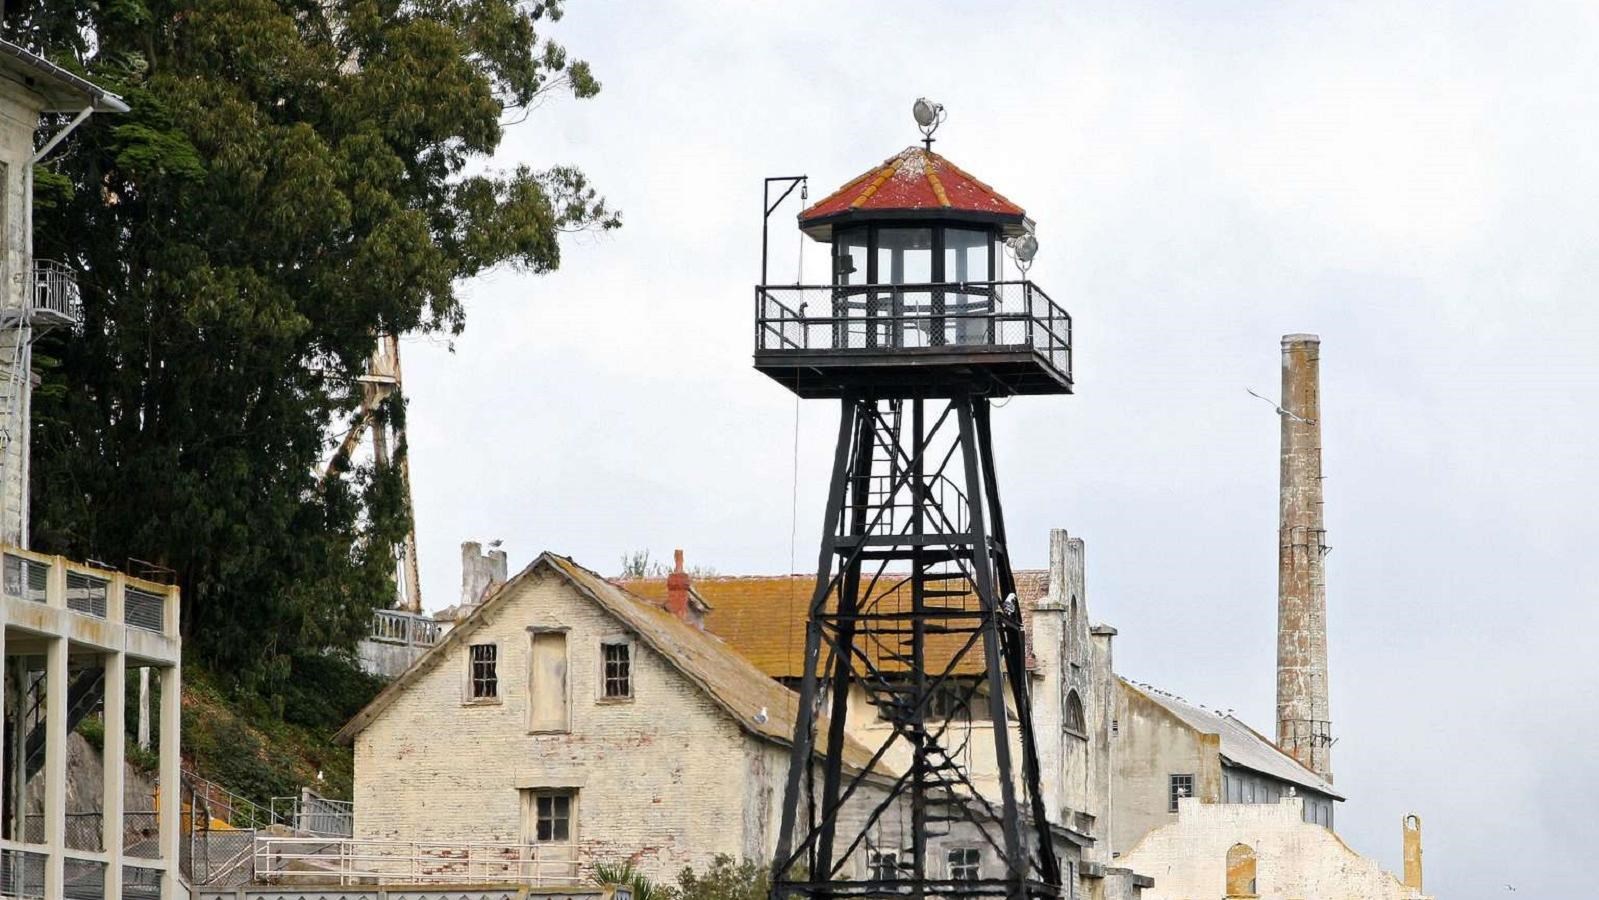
(1292, 859)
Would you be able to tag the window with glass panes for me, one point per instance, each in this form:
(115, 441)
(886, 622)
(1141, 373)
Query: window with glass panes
(965, 863)
(552, 816)
(883, 865)
(1181, 786)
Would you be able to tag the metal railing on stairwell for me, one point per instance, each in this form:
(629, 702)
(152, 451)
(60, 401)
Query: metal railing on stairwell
(319, 860)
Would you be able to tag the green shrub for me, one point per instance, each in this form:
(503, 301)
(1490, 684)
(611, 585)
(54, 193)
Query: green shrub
(724, 880)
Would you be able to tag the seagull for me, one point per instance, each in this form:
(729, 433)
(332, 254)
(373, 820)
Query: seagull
(495, 544)
(760, 717)
(1281, 411)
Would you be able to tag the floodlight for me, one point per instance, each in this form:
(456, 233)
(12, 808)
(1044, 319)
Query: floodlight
(1026, 247)
(926, 112)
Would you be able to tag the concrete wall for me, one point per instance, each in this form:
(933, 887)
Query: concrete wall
(19, 117)
(1294, 860)
(667, 777)
(1151, 746)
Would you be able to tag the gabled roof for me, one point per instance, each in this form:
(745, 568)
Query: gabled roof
(729, 680)
(915, 182)
(1240, 745)
(763, 616)
(62, 91)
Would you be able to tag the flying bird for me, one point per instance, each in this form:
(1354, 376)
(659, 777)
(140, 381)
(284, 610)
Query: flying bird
(1281, 411)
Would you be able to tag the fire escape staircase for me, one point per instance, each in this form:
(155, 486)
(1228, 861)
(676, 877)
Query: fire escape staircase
(84, 693)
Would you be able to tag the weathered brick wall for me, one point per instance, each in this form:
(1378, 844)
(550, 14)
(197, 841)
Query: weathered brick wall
(1294, 859)
(667, 778)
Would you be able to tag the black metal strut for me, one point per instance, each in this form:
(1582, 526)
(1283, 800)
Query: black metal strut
(931, 635)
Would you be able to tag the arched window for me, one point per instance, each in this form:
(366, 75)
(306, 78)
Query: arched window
(1074, 713)
(1241, 871)
(1073, 618)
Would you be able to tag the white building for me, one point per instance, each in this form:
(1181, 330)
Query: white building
(570, 722)
(1267, 850)
(67, 631)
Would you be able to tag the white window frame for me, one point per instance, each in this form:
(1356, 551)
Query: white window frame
(950, 865)
(618, 640)
(468, 682)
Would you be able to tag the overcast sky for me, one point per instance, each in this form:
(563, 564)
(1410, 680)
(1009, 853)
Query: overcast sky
(1415, 182)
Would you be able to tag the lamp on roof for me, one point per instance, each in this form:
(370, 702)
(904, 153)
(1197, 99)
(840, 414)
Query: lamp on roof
(1023, 248)
(929, 116)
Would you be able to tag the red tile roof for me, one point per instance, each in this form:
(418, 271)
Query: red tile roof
(762, 617)
(912, 181)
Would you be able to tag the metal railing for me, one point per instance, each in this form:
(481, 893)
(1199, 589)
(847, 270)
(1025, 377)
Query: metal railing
(313, 814)
(279, 860)
(55, 290)
(211, 801)
(394, 626)
(888, 317)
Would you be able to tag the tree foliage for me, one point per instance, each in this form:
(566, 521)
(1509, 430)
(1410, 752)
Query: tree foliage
(725, 879)
(295, 178)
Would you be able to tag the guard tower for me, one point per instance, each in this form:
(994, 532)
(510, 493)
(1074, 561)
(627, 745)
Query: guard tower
(915, 606)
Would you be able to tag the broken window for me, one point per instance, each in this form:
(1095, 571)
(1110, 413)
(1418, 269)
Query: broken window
(485, 672)
(617, 677)
(965, 863)
(1181, 786)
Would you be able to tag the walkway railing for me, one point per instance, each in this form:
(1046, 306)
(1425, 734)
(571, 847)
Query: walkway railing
(318, 860)
(877, 317)
(313, 814)
(394, 626)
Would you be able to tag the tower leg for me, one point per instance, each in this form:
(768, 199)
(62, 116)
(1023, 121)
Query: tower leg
(911, 600)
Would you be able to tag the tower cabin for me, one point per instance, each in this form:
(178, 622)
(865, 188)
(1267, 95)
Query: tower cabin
(919, 298)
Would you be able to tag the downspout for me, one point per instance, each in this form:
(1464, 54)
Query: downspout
(25, 335)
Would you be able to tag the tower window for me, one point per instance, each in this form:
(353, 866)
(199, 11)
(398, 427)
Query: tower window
(485, 673)
(1181, 786)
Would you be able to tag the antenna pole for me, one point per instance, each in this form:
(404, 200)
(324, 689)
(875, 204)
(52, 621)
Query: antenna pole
(768, 206)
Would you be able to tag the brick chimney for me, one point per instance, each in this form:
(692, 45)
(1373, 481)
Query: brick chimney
(481, 573)
(681, 601)
(1304, 720)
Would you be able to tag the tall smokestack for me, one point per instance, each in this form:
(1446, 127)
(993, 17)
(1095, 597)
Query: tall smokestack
(1304, 726)
(1412, 831)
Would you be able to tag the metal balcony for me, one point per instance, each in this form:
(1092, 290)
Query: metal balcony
(831, 340)
(51, 298)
